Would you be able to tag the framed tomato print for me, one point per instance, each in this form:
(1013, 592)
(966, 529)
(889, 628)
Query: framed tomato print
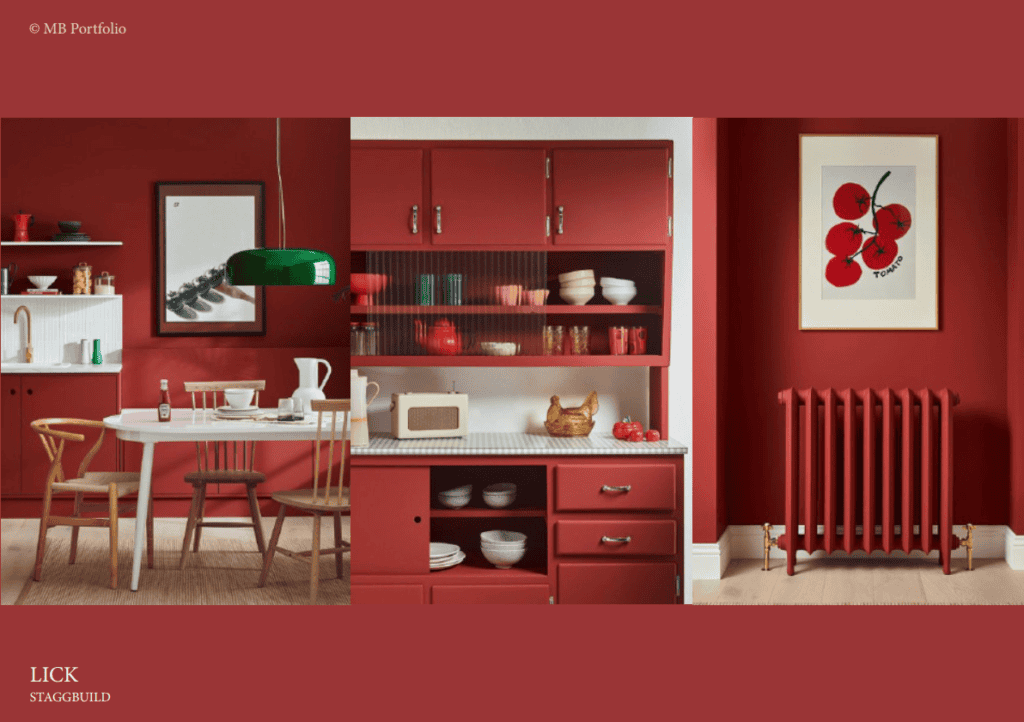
(869, 232)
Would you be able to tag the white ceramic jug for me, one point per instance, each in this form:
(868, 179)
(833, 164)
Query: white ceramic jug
(308, 388)
(360, 405)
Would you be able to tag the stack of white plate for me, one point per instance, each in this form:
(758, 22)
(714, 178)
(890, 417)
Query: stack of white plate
(577, 286)
(443, 555)
(227, 412)
(617, 291)
(503, 548)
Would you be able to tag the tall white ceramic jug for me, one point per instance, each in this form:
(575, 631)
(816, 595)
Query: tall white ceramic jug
(309, 389)
(360, 405)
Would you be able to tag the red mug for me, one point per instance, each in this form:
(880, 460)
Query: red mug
(638, 340)
(618, 340)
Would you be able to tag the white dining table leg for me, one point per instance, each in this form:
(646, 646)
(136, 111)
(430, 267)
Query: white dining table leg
(141, 510)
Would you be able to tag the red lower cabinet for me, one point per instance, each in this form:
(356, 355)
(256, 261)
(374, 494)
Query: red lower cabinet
(387, 594)
(492, 594)
(617, 583)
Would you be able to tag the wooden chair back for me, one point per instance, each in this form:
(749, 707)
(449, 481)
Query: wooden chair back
(54, 439)
(331, 407)
(222, 455)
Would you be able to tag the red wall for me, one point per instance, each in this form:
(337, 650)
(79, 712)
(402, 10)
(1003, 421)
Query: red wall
(764, 351)
(103, 172)
(1015, 321)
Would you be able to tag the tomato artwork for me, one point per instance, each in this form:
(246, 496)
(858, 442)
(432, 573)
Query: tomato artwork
(877, 247)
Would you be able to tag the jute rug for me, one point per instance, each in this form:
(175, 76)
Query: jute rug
(224, 571)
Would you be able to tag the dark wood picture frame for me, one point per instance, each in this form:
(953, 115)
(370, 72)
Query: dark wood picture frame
(180, 307)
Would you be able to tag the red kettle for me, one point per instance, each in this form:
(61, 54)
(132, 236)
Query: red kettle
(22, 222)
(442, 339)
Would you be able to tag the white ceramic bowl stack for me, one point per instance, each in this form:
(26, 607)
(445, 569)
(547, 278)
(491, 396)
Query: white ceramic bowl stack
(455, 498)
(42, 282)
(617, 291)
(577, 287)
(443, 556)
(503, 548)
(500, 495)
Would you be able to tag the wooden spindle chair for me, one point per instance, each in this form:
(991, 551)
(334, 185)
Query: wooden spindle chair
(112, 484)
(221, 462)
(321, 499)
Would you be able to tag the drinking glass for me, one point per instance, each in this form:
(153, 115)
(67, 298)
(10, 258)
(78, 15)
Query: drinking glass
(285, 409)
(579, 340)
(638, 340)
(618, 340)
(553, 336)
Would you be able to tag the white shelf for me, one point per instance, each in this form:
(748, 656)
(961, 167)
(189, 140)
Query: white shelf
(79, 296)
(32, 244)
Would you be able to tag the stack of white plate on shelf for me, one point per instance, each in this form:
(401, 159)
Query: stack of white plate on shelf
(503, 548)
(443, 556)
(617, 291)
(577, 287)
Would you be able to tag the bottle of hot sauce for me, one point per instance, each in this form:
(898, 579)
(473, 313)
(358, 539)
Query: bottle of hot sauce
(164, 410)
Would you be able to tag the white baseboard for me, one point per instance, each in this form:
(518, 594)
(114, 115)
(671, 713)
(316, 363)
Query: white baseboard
(1014, 548)
(746, 541)
(710, 560)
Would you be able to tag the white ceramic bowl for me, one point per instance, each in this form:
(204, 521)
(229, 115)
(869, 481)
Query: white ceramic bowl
(238, 398)
(499, 500)
(618, 295)
(499, 537)
(42, 281)
(453, 502)
(501, 486)
(576, 296)
(459, 490)
(608, 281)
(499, 348)
(503, 558)
(574, 275)
(580, 283)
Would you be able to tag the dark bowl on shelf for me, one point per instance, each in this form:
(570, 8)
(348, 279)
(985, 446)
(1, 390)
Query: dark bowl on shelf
(69, 226)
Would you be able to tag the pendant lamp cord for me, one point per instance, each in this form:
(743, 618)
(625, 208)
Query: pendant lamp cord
(280, 190)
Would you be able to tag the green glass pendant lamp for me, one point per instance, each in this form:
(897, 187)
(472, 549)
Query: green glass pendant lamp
(281, 266)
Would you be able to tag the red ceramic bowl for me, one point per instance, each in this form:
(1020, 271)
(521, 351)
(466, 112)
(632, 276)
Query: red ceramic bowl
(365, 285)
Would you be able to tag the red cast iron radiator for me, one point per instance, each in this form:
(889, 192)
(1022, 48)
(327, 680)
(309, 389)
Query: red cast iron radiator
(868, 458)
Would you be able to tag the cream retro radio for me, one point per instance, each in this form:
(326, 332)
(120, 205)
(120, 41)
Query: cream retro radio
(429, 415)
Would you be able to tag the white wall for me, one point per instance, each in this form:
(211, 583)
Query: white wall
(618, 381)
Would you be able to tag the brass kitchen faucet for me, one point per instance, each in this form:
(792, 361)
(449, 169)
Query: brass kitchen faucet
(28, 345)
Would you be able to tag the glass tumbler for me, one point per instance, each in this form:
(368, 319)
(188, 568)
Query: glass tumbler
(618, 340)
(579, 340)
(553, 336)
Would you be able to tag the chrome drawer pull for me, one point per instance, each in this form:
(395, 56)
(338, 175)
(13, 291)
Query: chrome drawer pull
(561, 220)
(616, 539)
(623, 489)
(437, 219)
(415, 219)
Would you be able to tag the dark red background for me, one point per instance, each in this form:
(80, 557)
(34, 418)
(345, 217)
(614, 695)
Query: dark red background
(760, 350)
(103, 172)
(465, 58)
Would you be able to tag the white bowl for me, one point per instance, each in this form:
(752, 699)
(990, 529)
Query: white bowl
(499, 500)
(459, 490)
(239, 398)
(574, 275)
(499, 536)
(576, 296)
(503, 558)
(608, 281)
(42, 281)
(501, 486)
(452, 501)
(499, 348)
(618, 295)
(580, 283)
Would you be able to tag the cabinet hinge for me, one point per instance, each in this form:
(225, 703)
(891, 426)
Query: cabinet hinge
(547, 166)
(670, 226)
(551, 600)
(679, 587)
(547, 231)
(669, 167)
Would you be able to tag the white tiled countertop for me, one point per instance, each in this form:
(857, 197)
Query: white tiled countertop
(516, 444)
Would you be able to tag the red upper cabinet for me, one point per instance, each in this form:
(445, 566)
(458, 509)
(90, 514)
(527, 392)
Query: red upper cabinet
(611, 196)
(387, 197)
(491, 196)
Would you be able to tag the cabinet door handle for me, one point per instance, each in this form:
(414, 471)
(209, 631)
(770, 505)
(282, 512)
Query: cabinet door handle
(29, 392)
(624, 489)
(437, 219)
(415, 219)
(616, 539)
(561, 220)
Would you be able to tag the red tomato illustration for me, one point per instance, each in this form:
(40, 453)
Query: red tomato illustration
(842, 272)
(881, 253)
(892, 222)
(844, 239)
(851, 201)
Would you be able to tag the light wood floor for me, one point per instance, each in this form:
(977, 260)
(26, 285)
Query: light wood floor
(863, 580)
(18, 538)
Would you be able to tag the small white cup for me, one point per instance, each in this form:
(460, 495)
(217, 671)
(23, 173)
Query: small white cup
(238, 398)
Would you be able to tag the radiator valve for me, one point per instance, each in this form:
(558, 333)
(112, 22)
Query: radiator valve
(969, 543)
(769, 542)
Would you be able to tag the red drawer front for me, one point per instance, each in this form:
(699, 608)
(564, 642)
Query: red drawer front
(599, 537)
(492, 594)
(617, 583)
(387, 594)
(592, 487)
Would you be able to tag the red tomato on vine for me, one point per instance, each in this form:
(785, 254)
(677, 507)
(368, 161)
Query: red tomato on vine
(843, 271)
(881, 253)
(892, 221)
(844, 239)
(851, 201)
